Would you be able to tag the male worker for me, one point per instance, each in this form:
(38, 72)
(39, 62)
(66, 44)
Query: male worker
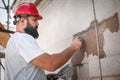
(25, 60)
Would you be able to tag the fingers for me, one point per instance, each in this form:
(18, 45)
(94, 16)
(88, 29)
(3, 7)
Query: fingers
(80, 42)
(77, 43)
(79, 38)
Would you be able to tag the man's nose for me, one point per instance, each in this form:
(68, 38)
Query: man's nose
(37, 23)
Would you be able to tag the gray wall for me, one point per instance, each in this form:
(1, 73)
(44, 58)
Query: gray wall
(63, 18)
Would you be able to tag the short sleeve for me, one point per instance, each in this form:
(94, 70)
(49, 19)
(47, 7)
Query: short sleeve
(29, 49)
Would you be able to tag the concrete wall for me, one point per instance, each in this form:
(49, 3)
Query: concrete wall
(109, 65)
(63, 18)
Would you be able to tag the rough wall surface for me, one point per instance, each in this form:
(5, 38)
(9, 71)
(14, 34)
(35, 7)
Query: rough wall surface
(62, 19)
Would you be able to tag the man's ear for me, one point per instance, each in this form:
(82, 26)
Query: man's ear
(23, 21)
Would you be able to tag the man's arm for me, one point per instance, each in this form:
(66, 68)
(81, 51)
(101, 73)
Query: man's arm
(55, 61)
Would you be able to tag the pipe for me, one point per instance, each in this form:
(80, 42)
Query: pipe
(96, 31)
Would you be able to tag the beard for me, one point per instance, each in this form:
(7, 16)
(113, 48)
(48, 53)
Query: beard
(31, 30)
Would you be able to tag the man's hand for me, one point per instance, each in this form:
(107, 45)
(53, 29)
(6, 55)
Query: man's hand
(76, 43)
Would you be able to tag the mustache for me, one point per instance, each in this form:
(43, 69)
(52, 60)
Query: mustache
(36, 27)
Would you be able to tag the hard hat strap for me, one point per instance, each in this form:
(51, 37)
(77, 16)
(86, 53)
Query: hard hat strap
(18, 18)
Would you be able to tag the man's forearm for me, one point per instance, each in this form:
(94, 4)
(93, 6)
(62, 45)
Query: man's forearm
(58, 60)
(55, 61)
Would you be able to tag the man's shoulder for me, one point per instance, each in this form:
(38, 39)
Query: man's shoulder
(21, 35)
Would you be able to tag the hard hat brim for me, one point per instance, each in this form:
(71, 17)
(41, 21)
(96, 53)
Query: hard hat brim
(40, 17)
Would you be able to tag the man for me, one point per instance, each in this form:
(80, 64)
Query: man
(25, 60)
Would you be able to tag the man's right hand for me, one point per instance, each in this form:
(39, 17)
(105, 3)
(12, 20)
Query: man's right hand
(76, 43)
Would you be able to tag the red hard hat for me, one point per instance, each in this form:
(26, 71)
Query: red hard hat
(27, 9)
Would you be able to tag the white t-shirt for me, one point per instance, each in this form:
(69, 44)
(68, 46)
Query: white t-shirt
(21, 50)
